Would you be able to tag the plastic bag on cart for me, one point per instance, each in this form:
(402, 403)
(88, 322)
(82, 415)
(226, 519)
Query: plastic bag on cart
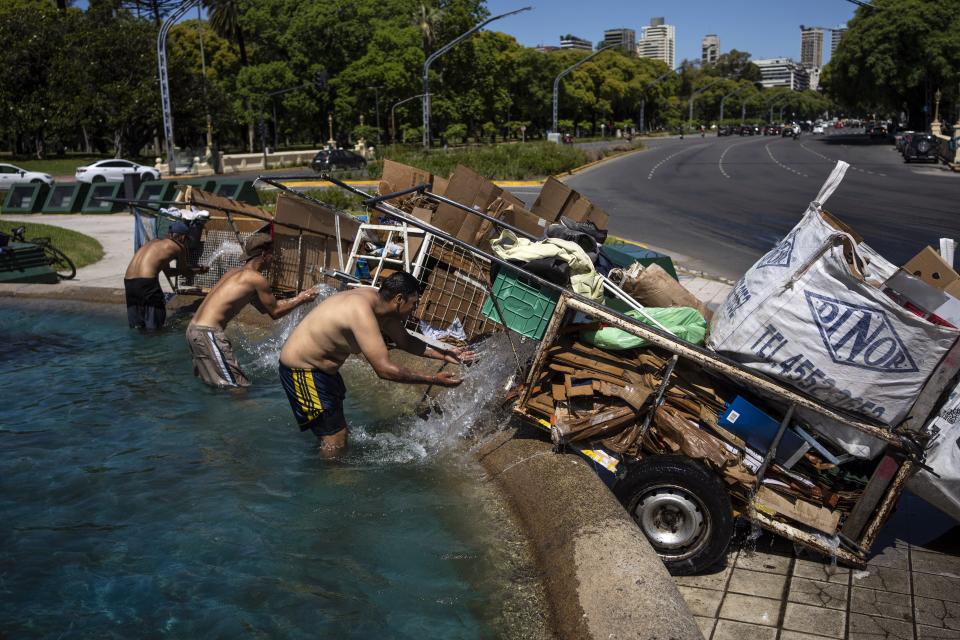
(683, 322)
(943, 456)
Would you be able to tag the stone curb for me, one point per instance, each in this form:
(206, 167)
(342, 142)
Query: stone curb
(596, 163)
(603, 580)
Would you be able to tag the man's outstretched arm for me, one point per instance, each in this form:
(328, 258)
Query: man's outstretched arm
(267, 303)
(367, 333)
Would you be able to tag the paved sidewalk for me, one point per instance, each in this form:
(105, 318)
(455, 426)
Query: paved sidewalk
(909, 590)
(113, 231)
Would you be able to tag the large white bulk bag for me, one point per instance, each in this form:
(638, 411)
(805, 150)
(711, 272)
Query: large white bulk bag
(806, 314)
(943, 456)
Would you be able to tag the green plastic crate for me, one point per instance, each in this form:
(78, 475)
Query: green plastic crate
(527, 307)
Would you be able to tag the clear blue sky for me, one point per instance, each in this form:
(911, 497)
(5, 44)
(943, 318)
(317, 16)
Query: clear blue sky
(768, 29)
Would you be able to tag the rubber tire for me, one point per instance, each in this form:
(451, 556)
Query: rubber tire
(98, 179)
(148, 177)
(692, 477)
(62, 265)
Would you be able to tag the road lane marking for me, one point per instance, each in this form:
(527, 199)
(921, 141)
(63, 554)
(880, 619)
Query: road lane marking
(872, 173)
(669, 157)
(780, 164)
(724, 155)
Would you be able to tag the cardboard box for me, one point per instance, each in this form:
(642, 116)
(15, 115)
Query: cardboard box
(415, 241)
(313, 218)
(525, 220)
(953, 289)
(398, 177)
(440, 185)
(931, 268)
(473, 190)
(553, 199)
(218, 216)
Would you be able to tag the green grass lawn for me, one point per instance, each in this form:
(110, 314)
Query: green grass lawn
(80, 248)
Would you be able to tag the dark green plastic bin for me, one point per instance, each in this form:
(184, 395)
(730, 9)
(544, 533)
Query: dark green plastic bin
(66, 198)
(25, 197)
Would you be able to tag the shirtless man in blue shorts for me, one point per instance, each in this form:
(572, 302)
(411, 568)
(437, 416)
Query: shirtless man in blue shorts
(347, 323)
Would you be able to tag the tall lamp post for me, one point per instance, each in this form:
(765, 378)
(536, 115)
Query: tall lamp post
(643, 101)
(393, 122)
(773, 100)
(376, 94)
(439, 52)
(556, 81)
(694, 95)
(730, 95)
(178, 13)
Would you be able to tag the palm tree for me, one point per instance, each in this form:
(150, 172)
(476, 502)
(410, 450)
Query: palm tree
(426, 18)
(224, 16)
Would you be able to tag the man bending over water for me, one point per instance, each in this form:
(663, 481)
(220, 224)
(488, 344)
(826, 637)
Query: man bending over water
(213, 359)
(146, 305)
(347, 323)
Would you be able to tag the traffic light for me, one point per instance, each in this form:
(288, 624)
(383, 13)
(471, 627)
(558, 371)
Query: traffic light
(320, 80)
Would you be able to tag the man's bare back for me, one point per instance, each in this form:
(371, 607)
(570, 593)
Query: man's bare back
(237, 288)
(155, 256)
(325, 338)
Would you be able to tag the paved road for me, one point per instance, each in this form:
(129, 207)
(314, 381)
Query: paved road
(718, 204)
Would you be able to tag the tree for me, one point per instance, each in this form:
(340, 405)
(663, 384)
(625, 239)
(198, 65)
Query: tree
(895, 55)
(734, 65)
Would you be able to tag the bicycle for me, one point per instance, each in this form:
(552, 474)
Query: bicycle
(62, 265)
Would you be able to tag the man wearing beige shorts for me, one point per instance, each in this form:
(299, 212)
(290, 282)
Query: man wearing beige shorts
(213, 359)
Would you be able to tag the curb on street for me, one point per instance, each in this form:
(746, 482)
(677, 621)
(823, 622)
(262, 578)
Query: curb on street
(602, 578)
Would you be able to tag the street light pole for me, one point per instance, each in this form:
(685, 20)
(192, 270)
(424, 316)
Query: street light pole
(556, 81)
(393, 122)
(439, 52)
(729, 95)
(694, 94)
(773, 100)
(643, 100)
(178, 13)
(376, 94)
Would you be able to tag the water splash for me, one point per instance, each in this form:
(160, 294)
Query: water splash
(395, 434)
(228, 248)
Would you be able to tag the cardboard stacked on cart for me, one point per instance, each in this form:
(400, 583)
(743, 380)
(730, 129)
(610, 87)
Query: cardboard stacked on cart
(309, 244)
(557, 199)
(245, 218)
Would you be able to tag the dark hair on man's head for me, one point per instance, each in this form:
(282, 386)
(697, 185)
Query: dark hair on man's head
(400, 283)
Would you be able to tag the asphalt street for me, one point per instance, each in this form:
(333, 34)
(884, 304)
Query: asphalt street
(719, 203)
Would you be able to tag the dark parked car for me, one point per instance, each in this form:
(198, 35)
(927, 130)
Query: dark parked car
(922, 147)
(332, 160)
(746, 130)
(725, 131)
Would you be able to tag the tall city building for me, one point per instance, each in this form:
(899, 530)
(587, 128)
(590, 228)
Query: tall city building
(811, 47)
(624, 38)
(710, 49)
(659, 41)
(783, 72)
(836, 35)
(573, 42)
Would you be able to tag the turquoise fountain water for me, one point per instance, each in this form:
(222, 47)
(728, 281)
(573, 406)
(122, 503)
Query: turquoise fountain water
(136, 502)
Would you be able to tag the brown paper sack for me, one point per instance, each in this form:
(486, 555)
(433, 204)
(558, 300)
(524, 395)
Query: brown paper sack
(653, 287)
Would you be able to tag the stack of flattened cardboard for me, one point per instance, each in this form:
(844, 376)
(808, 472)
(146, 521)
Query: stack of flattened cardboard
(309, 245)
(557, 199)
(591, 395)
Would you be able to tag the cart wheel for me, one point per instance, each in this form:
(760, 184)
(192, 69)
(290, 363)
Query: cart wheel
(682, 508)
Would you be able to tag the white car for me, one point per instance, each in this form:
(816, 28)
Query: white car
(818, 129)
(114, 170)
(10, 174)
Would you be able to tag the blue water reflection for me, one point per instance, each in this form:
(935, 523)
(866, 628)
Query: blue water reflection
(136, 502)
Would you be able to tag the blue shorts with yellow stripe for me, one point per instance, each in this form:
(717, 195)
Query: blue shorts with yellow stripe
(316, 398)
